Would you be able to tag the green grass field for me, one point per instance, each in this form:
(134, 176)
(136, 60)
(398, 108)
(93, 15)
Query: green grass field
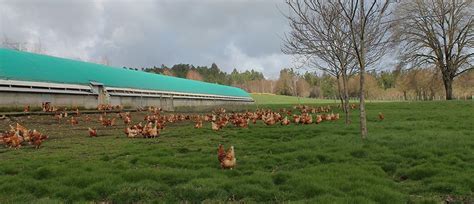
(421, 153)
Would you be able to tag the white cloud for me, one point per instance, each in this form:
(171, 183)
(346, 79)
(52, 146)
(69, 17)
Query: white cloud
(270, 64)
(240, 34)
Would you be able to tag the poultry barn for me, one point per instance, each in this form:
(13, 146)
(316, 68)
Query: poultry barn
(28, 79)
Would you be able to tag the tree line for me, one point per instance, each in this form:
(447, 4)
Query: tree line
(393, 84)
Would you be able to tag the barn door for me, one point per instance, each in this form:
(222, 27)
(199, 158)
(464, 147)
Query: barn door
(102, 95)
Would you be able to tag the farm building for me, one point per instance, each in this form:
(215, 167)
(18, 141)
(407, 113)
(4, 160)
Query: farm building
(31, 79)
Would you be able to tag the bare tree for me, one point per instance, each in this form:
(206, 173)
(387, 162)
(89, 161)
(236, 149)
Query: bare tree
(368, 27)
(320, 34)
(440, 33)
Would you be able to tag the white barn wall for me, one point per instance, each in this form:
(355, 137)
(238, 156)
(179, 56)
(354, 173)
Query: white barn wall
(22, 99)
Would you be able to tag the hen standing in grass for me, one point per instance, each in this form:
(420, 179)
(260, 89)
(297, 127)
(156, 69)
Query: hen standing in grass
(319, 119)
(37, 139)
(229, 160)
(381, 116)
(285, 121)
(92, 132)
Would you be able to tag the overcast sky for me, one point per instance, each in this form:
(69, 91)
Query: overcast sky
(242, 34)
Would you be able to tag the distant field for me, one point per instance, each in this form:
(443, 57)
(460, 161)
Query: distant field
(280, 99)
(422, 152)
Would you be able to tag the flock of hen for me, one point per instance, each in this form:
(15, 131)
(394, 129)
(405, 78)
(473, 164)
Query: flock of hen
(155, 122)
(19, 135)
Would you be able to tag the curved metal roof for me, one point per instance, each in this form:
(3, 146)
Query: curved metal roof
(17, 65)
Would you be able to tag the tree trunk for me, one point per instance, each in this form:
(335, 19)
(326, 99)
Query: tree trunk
(346, 100)
(363, 117)
(340, 91)
(448, 86)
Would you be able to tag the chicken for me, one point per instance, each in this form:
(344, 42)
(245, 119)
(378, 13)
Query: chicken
(27, 109)
(108, 122)
(150, 131)
(45, 106)
(241, 122)
(92, 132)
(198, 124)
(296, 119)
(153, 132)
(58, 116)
(254, 118)
(328, 117)
(381, 116)
(215, 126)
(16, 140)
(306, 119)
(270, 121)
(131, 132)
(27, 137)
(74, 121)
(353, 106)
(229, 161)
(22, 130)
(220, 153)
(7, 138)
(285, 121)
(160, 124)
(139, 126)
(37, 139)
(127, 120)
(319, 119)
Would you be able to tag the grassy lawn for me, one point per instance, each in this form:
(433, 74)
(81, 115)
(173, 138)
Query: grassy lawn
(421, 152)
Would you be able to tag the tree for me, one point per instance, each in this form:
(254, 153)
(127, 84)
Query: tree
(386, 79)
(420, 83)
(180, 70)
(465, 84)
(194, 75)
(320, 33)
(369, 38)
(168, 72)
(302, 88)
(285, 84)
(439, 33)
(327, 85)
(314, 83)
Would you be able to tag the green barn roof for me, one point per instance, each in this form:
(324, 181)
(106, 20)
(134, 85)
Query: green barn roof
(25, 66)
